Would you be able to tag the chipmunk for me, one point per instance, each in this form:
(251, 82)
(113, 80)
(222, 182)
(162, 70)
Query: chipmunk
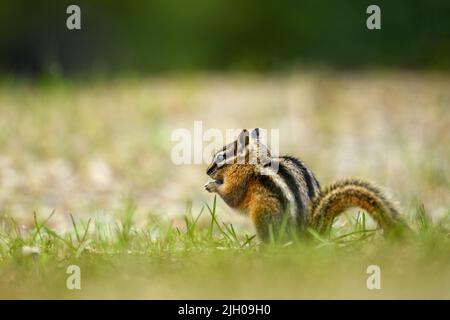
(249, 179)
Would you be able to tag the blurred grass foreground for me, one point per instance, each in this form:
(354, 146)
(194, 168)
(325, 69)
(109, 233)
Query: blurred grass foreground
(86, 178)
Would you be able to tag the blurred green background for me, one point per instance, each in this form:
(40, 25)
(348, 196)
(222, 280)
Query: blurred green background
(139, 36)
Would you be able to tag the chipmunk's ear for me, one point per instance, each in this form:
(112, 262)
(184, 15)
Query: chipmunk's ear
(256, 139)
(243, 141)
(260, 152)
(255, 134)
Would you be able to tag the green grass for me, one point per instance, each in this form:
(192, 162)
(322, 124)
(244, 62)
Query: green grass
(120, 260)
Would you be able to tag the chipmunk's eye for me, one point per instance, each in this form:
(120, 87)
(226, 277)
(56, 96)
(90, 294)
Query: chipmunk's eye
(220, 158)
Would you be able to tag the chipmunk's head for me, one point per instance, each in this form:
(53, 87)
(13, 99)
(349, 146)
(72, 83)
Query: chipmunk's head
(241, 155)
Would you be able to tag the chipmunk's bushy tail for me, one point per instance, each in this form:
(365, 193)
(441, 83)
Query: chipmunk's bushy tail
(345, 194)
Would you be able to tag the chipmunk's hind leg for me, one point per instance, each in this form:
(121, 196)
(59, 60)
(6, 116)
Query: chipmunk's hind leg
(272, 220)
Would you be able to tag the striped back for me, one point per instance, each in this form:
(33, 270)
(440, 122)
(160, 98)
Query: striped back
(297, 183)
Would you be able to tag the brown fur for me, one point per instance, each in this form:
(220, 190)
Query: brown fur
(264, 208)
(242, 190)
(236, 184)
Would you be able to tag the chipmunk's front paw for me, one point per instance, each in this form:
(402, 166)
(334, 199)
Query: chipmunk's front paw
(211, 185)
